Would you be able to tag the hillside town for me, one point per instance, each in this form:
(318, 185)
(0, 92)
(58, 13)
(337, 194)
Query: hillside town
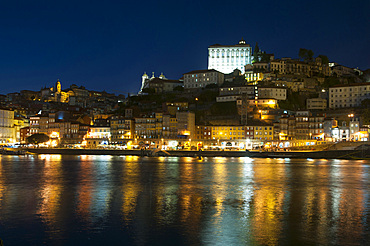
(246, 99)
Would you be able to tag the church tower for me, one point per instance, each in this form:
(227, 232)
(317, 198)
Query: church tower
(58, 87)
(58, 91)
(144, 79)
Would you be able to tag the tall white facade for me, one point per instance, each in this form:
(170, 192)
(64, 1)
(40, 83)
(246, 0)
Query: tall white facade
(227, 58)
(348, 96)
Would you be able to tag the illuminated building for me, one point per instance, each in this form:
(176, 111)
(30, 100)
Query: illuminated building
(19, 123)
(122, 129)
(185, 124)
(291, 66)
(159, 126)
(228, 132)
(98, 136)
(237, 90)
(69, 131)
(263, 133)
(160, 84)
(145, 127)
(203, 132)
(201, 78)
(262, 103)
(301, 126)
(169, 127)
(24, 134)
(227, 58)
(231, 93)
(39, 124)
(261, 66)
(251, 76)
(7, 134)
(278, 65)
(55, 94)
(354, 129)
(348, 96)
(340, 133)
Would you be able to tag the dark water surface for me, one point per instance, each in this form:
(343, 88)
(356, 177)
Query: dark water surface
(111, 200)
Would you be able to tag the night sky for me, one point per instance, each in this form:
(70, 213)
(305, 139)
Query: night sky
(107, 45)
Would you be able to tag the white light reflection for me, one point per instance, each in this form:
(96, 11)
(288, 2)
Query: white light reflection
(336, 190)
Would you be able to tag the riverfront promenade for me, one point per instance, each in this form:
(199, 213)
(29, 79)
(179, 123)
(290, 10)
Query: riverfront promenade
(360, 153)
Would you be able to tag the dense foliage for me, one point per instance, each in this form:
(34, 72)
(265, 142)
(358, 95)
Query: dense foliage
(38, 138)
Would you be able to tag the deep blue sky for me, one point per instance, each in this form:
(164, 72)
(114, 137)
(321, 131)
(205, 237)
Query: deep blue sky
(107, 45)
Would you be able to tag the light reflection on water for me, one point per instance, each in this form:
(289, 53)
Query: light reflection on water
(94, 200)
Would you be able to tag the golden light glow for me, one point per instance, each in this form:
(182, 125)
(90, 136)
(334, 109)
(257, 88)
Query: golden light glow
(54, 143)
(54, 135)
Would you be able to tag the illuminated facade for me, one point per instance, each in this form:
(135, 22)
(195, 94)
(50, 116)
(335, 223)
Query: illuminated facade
(227, 58)
(7, 134)
(263, 133)
(301, 126)
(201, 78)
(98, 136)
(251, 76)
(263, 103)
(145, 127)
(228, 132)
(156, 126)
(347, 96)
(160, 84)
(203, 132)
(185, 124)
(121, 129)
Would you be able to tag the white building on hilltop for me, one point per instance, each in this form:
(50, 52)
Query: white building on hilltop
(227, 58)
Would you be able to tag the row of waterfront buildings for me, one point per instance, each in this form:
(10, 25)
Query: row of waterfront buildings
(180, 130)
(77, 116)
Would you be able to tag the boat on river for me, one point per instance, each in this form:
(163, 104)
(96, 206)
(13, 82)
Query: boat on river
(12, 151)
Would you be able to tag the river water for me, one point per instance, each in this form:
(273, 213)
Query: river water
(127, 200)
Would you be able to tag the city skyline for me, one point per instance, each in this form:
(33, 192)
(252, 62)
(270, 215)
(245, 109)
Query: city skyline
(108, 47)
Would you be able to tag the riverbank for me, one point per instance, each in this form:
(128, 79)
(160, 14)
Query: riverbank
(328, 154)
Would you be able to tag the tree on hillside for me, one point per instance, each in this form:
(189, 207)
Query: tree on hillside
(256, 52)
(324, 59)
(265, 57)
(305, 54)
(302, 54)
(37, 138)
(309, 55)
